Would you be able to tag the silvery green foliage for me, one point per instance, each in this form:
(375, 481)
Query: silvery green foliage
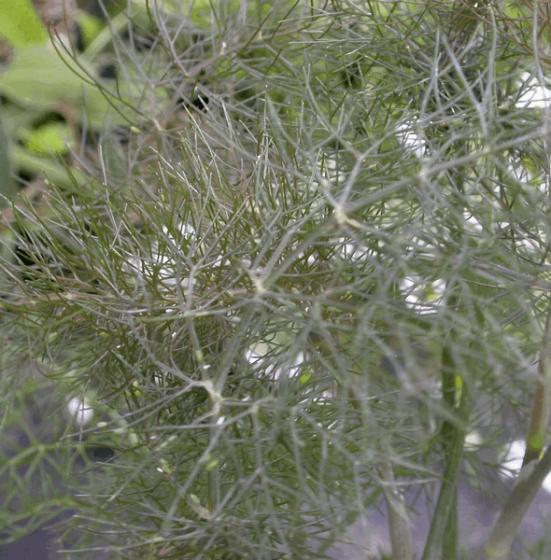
(264, 297)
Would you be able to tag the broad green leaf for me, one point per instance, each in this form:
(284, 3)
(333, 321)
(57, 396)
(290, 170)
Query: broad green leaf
(205, 13)
(48, 139)
(38, 79)
(47, 167)
(20, 25)
(15, 119)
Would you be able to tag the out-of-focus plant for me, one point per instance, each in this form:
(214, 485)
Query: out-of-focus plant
(314, 268)
(55, 97)
(20, 24)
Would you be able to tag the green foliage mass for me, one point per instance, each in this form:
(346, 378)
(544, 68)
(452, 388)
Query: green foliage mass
(315, 259)
(20, 25)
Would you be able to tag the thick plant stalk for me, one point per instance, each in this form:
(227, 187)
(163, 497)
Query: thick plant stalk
(398, 519)
(441, 541)
(533, 470)
(525, 490)
(442, 538)
(434, 548)
(449, 544)
(541, 406)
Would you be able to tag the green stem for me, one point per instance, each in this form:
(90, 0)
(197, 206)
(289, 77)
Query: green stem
(398, 519)
(449, 544)
(442, 538)
(525, 490)
(541, 406)
(533, 470)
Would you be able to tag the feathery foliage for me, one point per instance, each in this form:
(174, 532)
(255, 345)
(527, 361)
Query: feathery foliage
(316, 261)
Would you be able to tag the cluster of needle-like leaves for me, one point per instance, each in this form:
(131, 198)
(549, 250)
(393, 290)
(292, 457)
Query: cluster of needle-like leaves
(289, 294)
